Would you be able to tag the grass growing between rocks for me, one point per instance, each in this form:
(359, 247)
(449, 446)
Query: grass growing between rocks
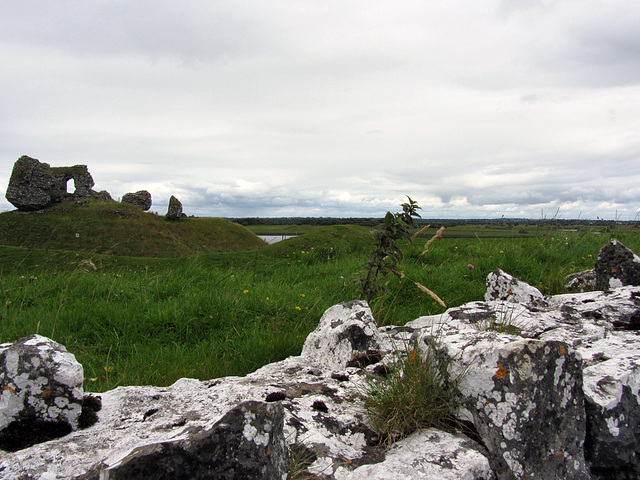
(300, 459)
(505, 320)
(415, 394)
(135, 320)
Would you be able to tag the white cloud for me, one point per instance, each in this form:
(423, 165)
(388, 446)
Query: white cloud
(332, 108)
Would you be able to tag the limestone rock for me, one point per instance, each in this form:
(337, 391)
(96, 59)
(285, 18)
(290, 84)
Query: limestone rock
(34, 185)
(616, 266)
(426, 455)
(140, 199)
(584, 281)
(247, 442)
(182, 431)
(347, 335)
(523, 396)
(603, 329)
(502, 286)
(41, 392)
(174, 212)
(613, 410)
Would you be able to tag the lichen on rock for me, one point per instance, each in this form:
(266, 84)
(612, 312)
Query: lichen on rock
(41, 396)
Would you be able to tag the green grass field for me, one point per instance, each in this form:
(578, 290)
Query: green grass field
(151, 320)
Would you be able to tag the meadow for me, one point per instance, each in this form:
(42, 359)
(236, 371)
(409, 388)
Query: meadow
(152, 320)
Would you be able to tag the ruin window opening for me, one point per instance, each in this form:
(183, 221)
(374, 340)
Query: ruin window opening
(69, 188)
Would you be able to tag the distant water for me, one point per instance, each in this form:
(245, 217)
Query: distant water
(275, 238)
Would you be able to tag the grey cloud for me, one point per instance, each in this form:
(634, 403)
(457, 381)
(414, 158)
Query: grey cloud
(530, 98)
(190, 30)
(602, 49)
(608, 43)
(279, 202)
(571, 43)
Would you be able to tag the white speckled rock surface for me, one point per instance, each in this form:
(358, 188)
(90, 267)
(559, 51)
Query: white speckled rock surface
(426, 455)
(525, 392)
(39, 380)
(502, 286)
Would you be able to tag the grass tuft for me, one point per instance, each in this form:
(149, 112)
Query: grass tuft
(415, 394)
(300, 458)
(505, 320)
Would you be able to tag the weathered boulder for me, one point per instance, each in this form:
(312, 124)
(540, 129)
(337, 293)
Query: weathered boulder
(174, 212)
(34, 185)
(610, 347)
(247, 442)
(613, 409)
(616, 266)
(584, 281)
(602, 328)
(188, 430)
(140, 199)
(523, 396)
(41, 392)
(346, 336)
(426, 455)
(502, 286)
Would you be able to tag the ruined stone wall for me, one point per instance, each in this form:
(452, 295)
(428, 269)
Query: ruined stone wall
(35, 185)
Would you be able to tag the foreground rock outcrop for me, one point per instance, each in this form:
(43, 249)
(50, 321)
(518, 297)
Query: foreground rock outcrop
(548, 388)
(41, 394)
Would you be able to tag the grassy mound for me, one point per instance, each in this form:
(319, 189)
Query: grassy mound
(109, 227)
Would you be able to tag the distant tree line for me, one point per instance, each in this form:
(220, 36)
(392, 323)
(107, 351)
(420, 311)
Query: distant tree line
(366, 222)
(446, 222)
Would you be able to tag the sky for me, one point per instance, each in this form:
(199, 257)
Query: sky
(323, 108)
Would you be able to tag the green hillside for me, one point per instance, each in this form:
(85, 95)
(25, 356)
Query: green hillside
(109, 227)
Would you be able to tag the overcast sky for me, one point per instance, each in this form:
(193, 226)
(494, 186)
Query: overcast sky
(481, 108)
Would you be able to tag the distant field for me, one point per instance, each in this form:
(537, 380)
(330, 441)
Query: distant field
(487, 230)
(282, 229)
(491, 230)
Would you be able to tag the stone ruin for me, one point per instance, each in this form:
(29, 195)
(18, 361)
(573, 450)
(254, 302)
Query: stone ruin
(35, 185)
(557, 397)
